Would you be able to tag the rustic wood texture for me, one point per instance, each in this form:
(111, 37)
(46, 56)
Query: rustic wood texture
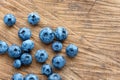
(93, 25)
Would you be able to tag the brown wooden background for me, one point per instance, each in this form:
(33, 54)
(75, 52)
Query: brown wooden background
(93, 25)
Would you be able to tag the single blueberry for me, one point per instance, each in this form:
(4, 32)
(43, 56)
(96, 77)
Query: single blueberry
(46, 35)
(27, 45)
(17, 63)
(33, 18)
(24, 33)
(31, 77)
(41, 56)
(61, 33)
(9, 19)
(26, 59)
(14, 51)
(58, 61)
(3, 47)
(46, 70)
(71, 50)
(17, 76)
(57, 46)
(54, 76)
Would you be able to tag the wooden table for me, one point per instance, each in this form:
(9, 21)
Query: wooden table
(93, 25)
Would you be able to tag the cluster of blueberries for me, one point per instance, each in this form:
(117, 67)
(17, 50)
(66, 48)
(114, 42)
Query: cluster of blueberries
(22, 55)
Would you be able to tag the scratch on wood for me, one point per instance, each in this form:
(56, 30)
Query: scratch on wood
(91, 7)
(76, 74)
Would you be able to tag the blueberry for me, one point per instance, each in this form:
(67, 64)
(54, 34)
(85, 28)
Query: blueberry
(17, 76)
(24, 33)
(31, 77)
(14, 51)
(46, 70)
(46, 35)
(54, 76)
(71, 50)
(17, 63)
(26, 59)
(33, 18)
(41, 56)
(58, 61)
(61, 33)
(9, 19)
(57, 46)
(3, 47)
(27, 45)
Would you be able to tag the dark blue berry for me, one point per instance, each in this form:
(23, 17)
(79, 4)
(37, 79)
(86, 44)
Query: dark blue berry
(24, 33)
(14, 51)
(27, 45)
(46, 35)
(57, 46)
(41, 56)
(31, 77)
(9, 19)
(54, 76)
(33, 18)
(3, 47)
(17, 76)
(26, 59)
(46, 70)
(17, 63)
(58, 61)
(71, 50)
(61, 33)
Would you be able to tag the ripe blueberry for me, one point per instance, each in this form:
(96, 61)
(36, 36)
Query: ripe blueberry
(26, 59)
(46, 70)
(41, 56)
(57, 46)
(27, 45)
(46, 35)
(61, 33)
(31, 77)
(71, 50)
(17, 76)
(9, 19)
(54, 76)
(24, 33)
(17, 63)
(33, 18)
(58, 61)
(14, 51)
(3, 47)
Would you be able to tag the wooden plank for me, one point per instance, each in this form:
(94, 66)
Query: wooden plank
(93, 26)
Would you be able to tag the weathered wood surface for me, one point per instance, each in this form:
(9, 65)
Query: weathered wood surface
(93, 25)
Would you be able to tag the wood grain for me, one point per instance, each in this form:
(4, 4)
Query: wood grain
(93, 25)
